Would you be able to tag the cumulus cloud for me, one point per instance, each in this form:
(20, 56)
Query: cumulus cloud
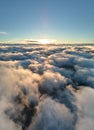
(46, 87)
(52, 116)
(52, 82)
(85, 105)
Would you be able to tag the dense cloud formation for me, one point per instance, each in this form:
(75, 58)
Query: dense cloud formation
(46, 87)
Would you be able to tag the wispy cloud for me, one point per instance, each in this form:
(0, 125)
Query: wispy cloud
(3, 33)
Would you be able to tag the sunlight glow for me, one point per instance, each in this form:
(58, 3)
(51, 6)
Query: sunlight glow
(44, 41)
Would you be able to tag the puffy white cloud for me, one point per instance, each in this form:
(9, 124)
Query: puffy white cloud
(51, 82)
(84, 62)
(84, 76)
(46, 88)
(52, 116)
(85, 105)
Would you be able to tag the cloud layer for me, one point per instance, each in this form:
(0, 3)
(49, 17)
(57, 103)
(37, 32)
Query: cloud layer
(45, 87)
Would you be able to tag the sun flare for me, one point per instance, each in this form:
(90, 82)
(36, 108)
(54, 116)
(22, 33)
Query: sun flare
(44, 41)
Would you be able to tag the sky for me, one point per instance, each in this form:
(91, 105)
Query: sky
(62, 20)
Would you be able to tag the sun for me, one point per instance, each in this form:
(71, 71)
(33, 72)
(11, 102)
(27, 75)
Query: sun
(44, 41)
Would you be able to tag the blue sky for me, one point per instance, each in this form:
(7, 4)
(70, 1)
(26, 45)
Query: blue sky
(63, 20)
